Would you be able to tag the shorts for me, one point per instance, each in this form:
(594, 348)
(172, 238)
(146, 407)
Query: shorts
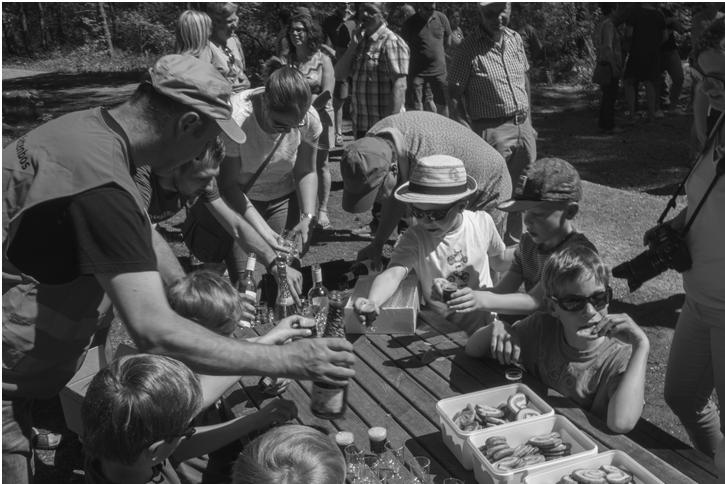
(423, 89)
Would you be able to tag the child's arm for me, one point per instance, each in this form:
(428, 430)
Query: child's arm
(497, 340)
(625, 406)
(500, 262)
(467, 300)
(384, 286)
(209, 438)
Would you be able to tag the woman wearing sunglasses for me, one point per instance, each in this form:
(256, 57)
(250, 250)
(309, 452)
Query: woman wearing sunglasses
(275, 168)
(696, 363)
(597, 359)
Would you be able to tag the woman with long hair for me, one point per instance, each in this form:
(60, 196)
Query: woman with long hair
(193, 31)
(305, 37)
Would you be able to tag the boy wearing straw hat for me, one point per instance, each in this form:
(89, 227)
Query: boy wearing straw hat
(446, 244)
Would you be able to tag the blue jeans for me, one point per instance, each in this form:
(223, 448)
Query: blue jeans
(517, 144)
(697, 365)
(18, 465)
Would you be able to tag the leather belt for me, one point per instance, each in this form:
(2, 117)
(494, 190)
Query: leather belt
(516, 118)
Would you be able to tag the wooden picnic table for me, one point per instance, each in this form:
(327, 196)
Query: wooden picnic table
(399, 379)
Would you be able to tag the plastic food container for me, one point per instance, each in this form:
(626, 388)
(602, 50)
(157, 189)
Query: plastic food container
(455, 438)
(617, 458)
(518, 433)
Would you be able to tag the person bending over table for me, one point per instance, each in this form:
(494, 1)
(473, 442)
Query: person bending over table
(165, 195)
(76, 238)
(282, 127)
(373, 166)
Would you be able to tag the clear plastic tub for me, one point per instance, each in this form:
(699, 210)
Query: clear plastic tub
(455, 438)
(617, 458)
(518, 433)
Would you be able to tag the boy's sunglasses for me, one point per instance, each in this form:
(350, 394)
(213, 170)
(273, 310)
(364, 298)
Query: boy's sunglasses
(432, 215)
(285, 128)
(576, 303)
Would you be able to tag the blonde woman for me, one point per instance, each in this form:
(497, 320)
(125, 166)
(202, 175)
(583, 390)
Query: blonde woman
(193, 31)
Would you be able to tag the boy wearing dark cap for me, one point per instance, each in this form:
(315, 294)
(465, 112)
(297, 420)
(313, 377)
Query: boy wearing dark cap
(548, 195)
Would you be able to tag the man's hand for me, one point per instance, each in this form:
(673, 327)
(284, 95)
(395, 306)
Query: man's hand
(622, 327)
(294, 280)
(248, 308)
(373, 253)
(505, 346)
(466, 300)
(327, 360)
(294, 326)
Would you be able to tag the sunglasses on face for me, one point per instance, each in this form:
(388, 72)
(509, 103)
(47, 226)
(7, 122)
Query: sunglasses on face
(577, 303)
(284, 128)
(431, 215)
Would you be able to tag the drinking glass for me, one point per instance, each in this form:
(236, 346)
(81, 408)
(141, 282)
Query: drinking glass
(354, 459)
(291, 241)
(394, 456)
(421, 469)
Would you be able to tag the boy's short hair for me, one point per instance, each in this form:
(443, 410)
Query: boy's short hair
(548, 180)
(211, 157)
(287, 90)
(208, 299)
(290, 454)
(136, 401)
(571, 264)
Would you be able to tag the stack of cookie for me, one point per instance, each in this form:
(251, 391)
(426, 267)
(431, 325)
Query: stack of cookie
(606, 474)
(536, 450)
(551, 446)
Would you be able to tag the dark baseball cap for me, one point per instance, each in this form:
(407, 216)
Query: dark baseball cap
(364, 164)
(199, 85)
(548, 180)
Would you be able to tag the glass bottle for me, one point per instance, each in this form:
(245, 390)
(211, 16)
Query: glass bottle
(248, 286)
(318, 298)
(284, 305)
(330, 401)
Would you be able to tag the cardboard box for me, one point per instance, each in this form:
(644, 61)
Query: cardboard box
(71, 397)
(397, 316)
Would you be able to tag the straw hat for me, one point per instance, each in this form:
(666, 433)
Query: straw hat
(438, 179)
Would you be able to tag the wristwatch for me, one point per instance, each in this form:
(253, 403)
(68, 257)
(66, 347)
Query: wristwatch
(307, 215)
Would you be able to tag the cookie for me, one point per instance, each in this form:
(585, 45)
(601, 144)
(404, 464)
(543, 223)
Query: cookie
(485, 411)
(530, 460)
(516, 402)
(589, 476)
(495, 421)
(525, 413)
(502, 453)
(618, 477)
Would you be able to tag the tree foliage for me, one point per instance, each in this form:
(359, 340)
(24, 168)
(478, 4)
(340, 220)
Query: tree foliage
(145, 30)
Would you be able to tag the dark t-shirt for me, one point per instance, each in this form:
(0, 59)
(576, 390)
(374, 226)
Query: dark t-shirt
(671, 43)
(425, 39)
(647, 28)
(63, 239)
(337, 31)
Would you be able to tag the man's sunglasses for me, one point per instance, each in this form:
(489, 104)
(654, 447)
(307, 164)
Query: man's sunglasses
(576, 303)
(432, 215)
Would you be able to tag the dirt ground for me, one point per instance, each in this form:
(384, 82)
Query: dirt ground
(628, 177)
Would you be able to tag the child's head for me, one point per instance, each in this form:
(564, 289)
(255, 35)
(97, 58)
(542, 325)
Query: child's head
(208, 299)
(138, 408)
(548, 194)
(290, 454)
(576, 283)
(437, 192)
(193, 30)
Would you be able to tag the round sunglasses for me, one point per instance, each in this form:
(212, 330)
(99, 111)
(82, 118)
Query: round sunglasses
(576, 303)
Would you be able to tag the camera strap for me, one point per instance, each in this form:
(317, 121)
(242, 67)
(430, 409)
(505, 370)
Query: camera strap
(719, 169)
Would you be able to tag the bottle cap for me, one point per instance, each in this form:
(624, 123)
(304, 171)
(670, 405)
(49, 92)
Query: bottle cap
(344, 438)
(377, 434)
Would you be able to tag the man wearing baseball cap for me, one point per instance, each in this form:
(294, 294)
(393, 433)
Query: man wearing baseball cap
(75, 239)
(373, 166)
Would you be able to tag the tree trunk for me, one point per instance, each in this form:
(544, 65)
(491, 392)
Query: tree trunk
(44, 37)
(106, 30)
(24, 30)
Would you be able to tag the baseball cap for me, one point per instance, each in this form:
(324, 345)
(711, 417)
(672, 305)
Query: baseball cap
(363, 166)
(548, 180)
(199, 85)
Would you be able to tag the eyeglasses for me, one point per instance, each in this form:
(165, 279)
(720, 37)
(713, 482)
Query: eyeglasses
(432, 215)
(576, 303)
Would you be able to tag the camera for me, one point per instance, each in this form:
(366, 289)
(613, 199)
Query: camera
(666, 249)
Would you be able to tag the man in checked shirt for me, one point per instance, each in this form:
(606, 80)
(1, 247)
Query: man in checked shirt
(489, 87)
